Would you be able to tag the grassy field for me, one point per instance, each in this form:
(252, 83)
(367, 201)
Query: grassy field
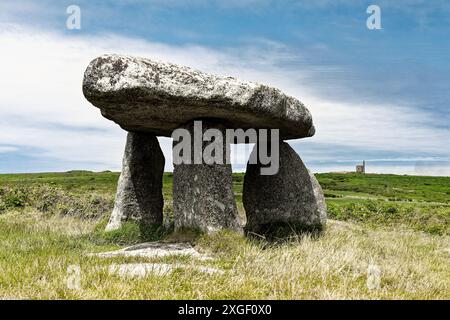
(49, 221)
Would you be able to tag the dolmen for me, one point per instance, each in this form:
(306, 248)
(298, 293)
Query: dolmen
(204, 114)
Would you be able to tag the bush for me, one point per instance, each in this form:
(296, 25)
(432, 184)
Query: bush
(50, 199)
(426, 218)
(12, 198)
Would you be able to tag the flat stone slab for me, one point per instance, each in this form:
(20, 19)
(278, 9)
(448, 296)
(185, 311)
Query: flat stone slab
(155, 250)
(140, 270)
(144, 95)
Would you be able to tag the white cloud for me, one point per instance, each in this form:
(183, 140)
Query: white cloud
(42, 105)
(6, 149)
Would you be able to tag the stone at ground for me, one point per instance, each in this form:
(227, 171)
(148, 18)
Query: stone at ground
(291, 200)
(155, 250)
(155, 98)
(203, 196)
(140, 270)
(149, 96)
(139, 190)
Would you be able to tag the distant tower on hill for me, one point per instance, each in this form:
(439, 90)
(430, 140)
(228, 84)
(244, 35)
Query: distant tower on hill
(361, 168)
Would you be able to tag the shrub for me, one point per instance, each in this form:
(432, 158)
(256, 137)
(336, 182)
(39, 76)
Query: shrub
(427, 218)
(50, 199)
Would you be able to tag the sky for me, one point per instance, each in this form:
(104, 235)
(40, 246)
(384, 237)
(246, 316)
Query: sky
(378, 95)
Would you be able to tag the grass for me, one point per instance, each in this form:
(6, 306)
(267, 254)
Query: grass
(419, 203)
(416, 202)
(51, 221)
(389, 186)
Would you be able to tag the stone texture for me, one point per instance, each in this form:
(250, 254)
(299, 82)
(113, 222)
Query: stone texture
(139, 190)
(143, 95)
(291, 200)
(155, 249)
(203, 196)
(141, 270)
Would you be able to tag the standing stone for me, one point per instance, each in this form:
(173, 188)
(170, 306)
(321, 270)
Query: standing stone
(289, 201)
(203, 196)
(139, 190)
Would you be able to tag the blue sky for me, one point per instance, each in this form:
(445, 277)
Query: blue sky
(380, 95)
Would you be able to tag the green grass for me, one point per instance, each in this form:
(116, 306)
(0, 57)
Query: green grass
(77, 181)
(37, 250)
(387, 186)
(49, 221)
(420, 203)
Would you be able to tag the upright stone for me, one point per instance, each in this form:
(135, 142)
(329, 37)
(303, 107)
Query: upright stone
(203, 196)
(289, 201)
(139, 190)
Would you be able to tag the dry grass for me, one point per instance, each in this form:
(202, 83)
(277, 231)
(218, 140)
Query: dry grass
(36, 251)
